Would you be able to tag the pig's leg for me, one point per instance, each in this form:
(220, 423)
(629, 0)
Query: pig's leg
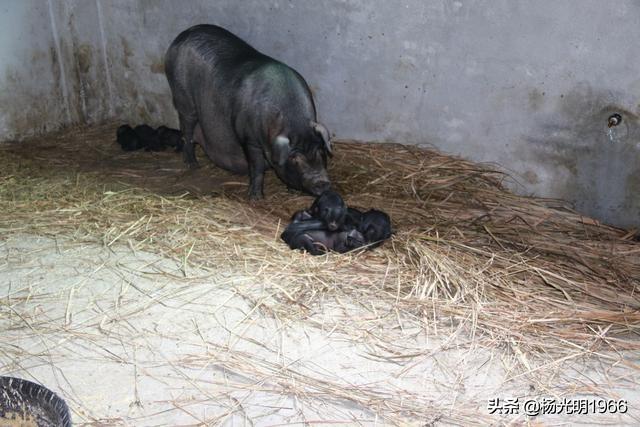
(301, 216)
(308, 244)
(187, 127)
(257, 167)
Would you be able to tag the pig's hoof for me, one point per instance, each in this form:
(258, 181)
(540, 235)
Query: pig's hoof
(255, 197)
(193, 165)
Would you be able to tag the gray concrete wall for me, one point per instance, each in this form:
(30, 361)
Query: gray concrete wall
(31, 78)
(52, 66)
(526, 85)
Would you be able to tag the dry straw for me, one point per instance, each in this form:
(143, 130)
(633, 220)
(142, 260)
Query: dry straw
(529, 275)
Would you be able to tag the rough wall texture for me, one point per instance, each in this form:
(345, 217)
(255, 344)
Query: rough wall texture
(31, 78)
(52, 66)
(526, 85)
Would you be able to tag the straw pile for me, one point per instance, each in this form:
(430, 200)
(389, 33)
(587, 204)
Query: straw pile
(527, 275)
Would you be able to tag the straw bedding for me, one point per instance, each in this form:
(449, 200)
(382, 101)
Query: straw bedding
(528, 275)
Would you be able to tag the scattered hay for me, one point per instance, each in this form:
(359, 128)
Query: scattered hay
(528, 275)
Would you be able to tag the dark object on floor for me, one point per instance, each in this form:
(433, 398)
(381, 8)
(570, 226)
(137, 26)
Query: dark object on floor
(128, 138)
(25, 399)
(309, 236)
(149, 138)
(353, 219)
(170, 138)
(309, 228)
(144, 136)
(328, 207)
(375, 226)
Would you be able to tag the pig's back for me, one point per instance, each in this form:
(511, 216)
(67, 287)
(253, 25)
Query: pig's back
(209, 55)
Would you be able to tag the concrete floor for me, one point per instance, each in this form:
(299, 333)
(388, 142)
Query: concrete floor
(127, 339)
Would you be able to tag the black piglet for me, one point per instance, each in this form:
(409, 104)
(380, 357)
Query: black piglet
(128, 138)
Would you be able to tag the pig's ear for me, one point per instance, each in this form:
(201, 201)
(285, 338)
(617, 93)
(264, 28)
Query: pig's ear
(324, 133)
(281, 150)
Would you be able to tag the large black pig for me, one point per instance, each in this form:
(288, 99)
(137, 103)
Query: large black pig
(247, 110)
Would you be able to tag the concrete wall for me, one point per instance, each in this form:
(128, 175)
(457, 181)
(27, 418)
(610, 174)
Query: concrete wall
(52, 66)
(526, 85)
(31, 78)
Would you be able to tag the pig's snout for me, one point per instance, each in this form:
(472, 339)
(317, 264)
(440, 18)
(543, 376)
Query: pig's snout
(319, 187)
(332, 226)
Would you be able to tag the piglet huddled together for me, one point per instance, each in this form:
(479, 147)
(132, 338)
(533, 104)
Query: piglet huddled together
(144, 136)
(329, 225)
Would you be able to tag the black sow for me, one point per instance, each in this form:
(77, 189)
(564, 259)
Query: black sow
(247, 110)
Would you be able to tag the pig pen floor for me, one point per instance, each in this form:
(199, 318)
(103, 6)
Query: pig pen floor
(127, 339)
(135, 326)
